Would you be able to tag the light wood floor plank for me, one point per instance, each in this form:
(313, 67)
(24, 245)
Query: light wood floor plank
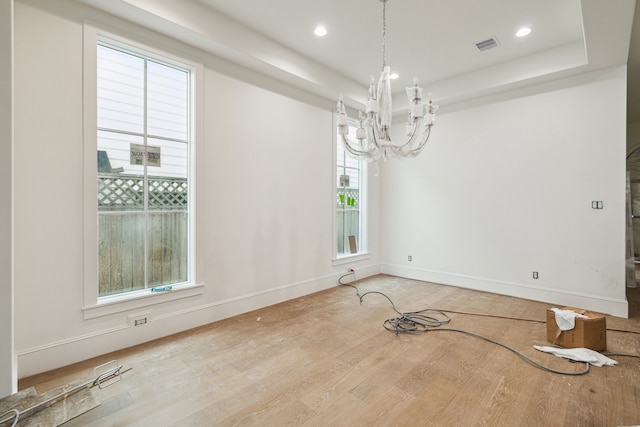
(325, 359)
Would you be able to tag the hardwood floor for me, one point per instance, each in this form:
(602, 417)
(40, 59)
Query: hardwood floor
(326, 360)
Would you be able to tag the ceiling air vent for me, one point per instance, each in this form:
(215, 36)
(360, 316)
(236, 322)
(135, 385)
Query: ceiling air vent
(488, 44)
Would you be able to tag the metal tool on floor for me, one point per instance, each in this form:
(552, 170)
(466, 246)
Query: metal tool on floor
(104, 375)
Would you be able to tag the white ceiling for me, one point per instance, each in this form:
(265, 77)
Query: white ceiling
(434, 40)
(431, 39)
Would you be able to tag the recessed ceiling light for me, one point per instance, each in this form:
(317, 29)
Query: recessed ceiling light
(393, 76)
(320, 31)
(524, 31)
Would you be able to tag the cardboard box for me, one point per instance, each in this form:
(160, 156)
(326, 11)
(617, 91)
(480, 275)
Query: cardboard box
(588, 333)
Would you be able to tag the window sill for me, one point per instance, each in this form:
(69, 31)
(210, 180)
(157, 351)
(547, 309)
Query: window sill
(349, 258)
(134, 300)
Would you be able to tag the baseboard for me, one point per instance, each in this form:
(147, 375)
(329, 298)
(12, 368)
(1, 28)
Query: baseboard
(61, 353)
(596, 303)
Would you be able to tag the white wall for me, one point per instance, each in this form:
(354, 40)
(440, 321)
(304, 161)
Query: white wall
(8, 373)
(505, 187)
(265, 196)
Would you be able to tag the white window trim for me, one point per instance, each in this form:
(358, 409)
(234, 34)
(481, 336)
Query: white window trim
(93, 306)
(362, 254)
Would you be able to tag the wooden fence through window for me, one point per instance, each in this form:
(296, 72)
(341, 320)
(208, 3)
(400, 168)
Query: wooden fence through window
(121, 232)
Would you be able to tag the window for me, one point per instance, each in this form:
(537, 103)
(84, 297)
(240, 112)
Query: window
(144, 189)
(349, 201)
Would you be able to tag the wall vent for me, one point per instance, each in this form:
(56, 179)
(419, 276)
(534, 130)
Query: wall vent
(488, 44)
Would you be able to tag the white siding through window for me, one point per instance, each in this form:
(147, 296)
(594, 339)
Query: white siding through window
(121, 106)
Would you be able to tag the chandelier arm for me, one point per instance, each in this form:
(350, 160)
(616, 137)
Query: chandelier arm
(415, 144)
(421, 127)
(423, 142)
(419, 137)
(348, 145)
(396, 149)
(357, 152)
(415, 125)
(368, 157)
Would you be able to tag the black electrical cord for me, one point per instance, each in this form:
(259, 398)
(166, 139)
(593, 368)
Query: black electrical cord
(415, 322)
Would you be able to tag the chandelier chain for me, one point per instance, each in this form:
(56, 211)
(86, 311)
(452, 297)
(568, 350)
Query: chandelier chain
(384, 33)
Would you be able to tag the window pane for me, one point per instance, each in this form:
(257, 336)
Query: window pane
(167, 101)
(343, 157)
(173, 158)
(167, 193)
(349, 178)
(348, 213)
(168, 181)
(143, 169)
(340, 151)
(120, 90)
(120, 253)
(118, 149)
(120, 185)
(167, 246)
(348, 225)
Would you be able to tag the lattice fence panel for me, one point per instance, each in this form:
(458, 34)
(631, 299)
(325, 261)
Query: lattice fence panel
(123, 192)
(348, 197)
(167, 194)
(126, 192)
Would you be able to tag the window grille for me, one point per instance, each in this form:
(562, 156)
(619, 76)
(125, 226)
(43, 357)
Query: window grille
(348, 206)
(143, 191)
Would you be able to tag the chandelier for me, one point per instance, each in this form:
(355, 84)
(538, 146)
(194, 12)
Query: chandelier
(373, 137)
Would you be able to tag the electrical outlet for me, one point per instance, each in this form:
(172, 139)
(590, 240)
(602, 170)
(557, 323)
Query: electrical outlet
(139, 319)
(535, 274)
(409, 258)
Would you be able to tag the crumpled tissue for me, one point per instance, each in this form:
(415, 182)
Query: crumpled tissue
(579, 355)
(566, 319)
